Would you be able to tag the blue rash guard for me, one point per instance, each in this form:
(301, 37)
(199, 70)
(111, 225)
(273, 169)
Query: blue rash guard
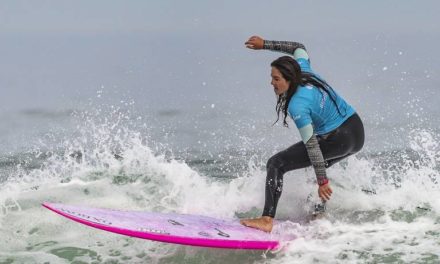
(311, 105)
(315, 111)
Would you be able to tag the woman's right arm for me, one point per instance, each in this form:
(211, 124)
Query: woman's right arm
(296, 49)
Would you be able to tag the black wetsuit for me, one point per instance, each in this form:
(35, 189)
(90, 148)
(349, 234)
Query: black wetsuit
(328, 136)
(335, 146)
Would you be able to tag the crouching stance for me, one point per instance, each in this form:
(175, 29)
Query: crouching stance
(330, 128)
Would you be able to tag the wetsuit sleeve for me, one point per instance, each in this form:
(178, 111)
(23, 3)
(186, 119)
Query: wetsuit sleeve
(303, 122)
(296, 49)
(288, 47)
(317, 159)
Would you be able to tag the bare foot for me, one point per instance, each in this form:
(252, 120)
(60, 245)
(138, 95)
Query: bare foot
(264, 223)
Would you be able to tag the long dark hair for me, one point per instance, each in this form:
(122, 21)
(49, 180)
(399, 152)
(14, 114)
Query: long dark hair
(291, 71)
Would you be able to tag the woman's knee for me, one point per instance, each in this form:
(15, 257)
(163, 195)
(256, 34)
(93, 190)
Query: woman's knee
(274, 162)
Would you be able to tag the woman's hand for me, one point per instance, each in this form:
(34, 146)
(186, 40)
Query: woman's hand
(255, 42)
(325, 192)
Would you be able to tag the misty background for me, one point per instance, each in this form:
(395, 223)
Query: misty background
(176, 59)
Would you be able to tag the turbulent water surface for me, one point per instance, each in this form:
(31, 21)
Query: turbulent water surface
(385, 207)
(141, 123)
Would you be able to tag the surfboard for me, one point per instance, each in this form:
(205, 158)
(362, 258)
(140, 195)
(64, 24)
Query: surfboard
(185, 229)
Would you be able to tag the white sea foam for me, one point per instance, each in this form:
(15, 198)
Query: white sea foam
(114, 167)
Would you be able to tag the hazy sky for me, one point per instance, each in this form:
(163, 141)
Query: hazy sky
(56, 53)
(149, 15)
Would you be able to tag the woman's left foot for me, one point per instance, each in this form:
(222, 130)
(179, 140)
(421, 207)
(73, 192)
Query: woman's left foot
(264, 223)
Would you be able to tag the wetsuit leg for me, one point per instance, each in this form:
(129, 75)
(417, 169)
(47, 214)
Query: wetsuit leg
(335, 146)
(295, 157)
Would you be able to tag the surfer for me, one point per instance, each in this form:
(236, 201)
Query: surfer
(330, 128)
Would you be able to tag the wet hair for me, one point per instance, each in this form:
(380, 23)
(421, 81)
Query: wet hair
(291, 71)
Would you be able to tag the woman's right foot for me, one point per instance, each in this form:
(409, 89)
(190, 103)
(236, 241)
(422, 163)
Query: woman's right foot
(264, 223)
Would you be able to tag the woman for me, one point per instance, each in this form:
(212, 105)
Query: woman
(329, 127)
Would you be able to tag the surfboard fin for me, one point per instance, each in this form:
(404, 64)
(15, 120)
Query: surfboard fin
(319, 210)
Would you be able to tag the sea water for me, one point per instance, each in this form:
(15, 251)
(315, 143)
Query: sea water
(207, 156)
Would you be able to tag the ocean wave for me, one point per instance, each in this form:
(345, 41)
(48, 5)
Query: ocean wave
(384, 203)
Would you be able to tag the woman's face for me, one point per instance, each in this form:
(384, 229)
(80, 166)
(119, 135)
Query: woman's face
(280, 85)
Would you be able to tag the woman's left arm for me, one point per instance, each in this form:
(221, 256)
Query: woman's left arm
(317, 160)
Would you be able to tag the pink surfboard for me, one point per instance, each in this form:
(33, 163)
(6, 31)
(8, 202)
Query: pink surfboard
(183, 229)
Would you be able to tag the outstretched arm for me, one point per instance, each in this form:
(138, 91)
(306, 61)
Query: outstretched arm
(296, 49)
